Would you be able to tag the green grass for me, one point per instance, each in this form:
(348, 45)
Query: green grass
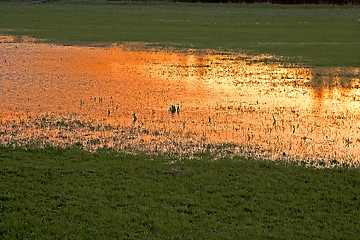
(314, 35)
(56, 193)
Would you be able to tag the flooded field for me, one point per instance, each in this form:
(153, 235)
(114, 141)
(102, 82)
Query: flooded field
(182, 103)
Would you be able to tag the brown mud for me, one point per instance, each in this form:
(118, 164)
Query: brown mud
(177, 103)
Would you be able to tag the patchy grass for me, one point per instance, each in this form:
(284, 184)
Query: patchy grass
(316, 35)
(56, 193)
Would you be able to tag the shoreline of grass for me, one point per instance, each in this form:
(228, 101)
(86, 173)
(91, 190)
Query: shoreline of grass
(65, 193)
(313, 35)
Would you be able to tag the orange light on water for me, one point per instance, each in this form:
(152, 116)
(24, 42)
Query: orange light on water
(112, 97)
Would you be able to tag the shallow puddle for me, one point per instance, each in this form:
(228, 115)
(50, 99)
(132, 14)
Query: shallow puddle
(161, 101)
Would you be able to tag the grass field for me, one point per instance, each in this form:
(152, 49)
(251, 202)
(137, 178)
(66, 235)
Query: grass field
(56, 193)
(72, 194)
(320, 35)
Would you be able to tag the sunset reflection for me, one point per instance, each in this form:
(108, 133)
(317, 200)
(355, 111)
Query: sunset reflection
(117, 98)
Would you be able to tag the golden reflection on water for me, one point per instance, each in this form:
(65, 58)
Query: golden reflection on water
(224, 103)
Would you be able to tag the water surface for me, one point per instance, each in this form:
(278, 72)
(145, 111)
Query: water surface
(224, 103)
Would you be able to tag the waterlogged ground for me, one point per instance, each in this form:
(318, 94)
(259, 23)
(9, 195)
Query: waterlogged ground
(183, 103)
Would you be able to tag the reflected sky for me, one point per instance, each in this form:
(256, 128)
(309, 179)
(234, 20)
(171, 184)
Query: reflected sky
(118, 98)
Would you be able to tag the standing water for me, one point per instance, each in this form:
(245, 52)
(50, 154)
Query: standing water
(183, 103)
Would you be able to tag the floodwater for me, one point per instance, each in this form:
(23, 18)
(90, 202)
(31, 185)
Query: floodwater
(183, 103)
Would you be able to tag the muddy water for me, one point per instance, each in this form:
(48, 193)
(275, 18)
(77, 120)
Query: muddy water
(223, 103)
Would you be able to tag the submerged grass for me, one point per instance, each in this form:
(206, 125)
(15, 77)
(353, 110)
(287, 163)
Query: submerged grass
(320, 35)
(57, 193)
